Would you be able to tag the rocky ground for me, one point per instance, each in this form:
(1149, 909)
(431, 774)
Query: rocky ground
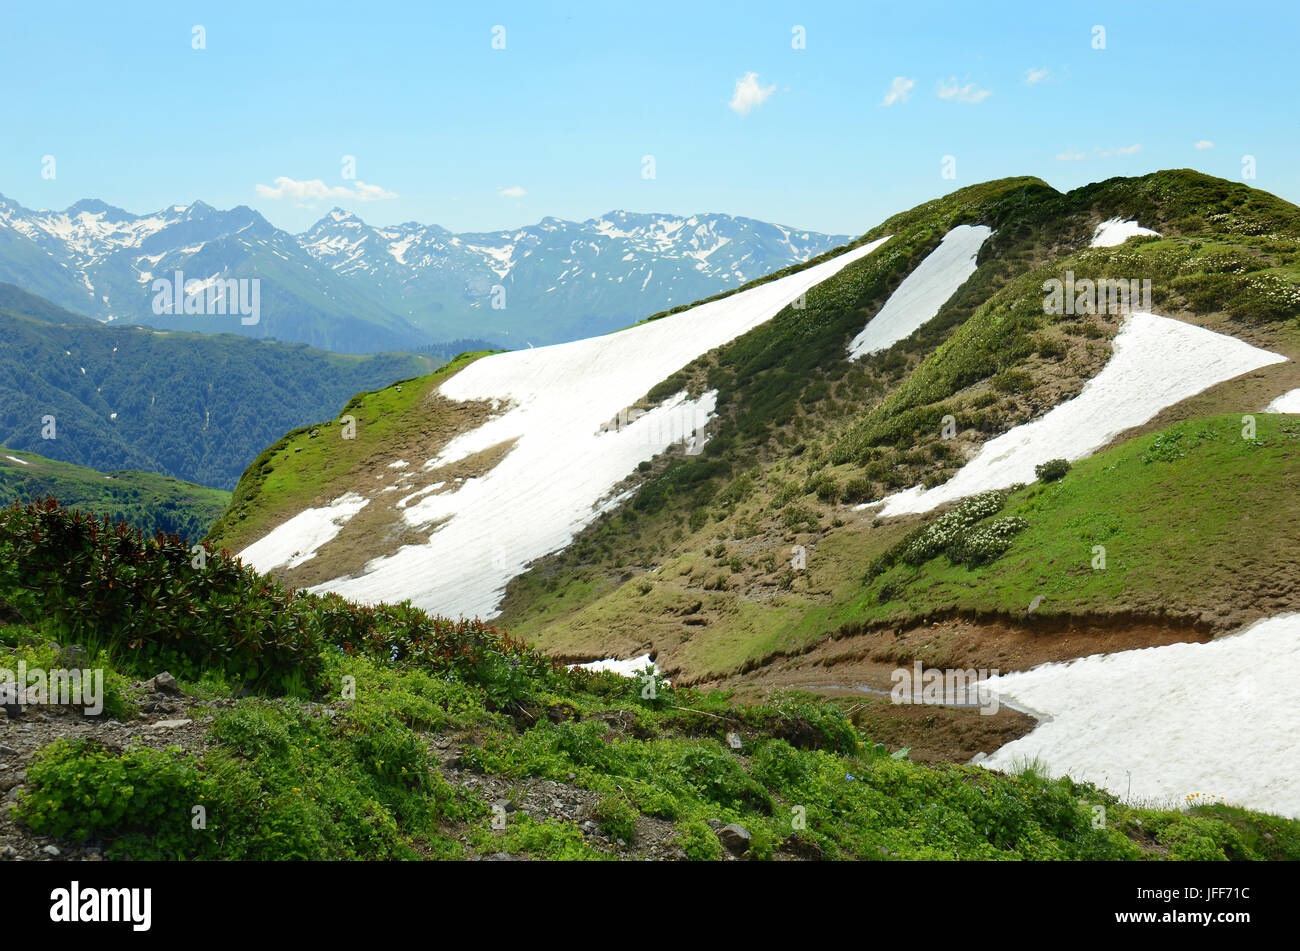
(168, 717)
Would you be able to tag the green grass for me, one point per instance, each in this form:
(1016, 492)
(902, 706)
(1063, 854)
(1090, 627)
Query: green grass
(353, 780)
(150, 502)
(1184, 515)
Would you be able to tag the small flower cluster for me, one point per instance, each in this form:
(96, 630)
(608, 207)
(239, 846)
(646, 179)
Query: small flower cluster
(982, 544)
(948, 530)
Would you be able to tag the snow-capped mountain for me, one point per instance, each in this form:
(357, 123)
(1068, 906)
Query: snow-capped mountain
(350, 286)
(558, 280)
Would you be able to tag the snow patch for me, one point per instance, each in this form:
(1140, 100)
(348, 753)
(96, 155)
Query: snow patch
(21, 462)
(1159, 715)
(1117, 231)
(1286, 403)
(297, 540)
(924, 291)
(1157, 362)
(632, 667)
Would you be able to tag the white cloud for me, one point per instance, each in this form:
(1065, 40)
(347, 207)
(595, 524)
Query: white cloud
(900, 90)
(1205, 144)
(749, 94)
(1035, 76)
(1122, 150)
(286, 187)
(968, 93)
(514, 191)
(1069, 155)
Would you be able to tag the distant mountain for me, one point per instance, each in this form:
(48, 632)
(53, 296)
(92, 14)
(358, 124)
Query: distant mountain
(102, 261)
(344, 285)
(191, 406)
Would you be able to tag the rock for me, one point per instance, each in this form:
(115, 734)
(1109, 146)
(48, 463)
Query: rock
(9, 699)
(7, 851)
(51, 850)
(715, 824)
(735, 838)
(74, 657)
(165, 683)
(168, 724)
(7, 751)
(734, 741)
(9, 780)
(499, 857)
(12, 795)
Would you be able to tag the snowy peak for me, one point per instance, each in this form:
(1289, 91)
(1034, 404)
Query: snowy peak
(565, 279)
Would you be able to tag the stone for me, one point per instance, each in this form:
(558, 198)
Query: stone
(169, 724)
(735, 838)
(51, 850)
(74, 657)
(165, 683)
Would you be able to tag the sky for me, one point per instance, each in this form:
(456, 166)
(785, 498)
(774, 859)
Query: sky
(484, 116)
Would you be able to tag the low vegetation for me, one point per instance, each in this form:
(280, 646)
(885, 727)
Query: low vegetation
(343, 761)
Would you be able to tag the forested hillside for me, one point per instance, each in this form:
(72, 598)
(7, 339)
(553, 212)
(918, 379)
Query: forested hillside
(191, 406)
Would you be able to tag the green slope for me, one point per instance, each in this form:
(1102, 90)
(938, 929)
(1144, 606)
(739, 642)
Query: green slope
(313, 464)
(697, 564)
(144, 500)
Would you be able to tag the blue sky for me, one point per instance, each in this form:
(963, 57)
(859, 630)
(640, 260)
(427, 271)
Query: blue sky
(445, 129)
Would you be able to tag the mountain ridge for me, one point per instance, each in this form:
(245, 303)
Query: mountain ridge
(347, 286)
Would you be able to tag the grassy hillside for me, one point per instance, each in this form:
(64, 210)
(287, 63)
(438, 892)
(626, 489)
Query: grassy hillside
(313, 464)
(698, 565)
(386, 733)
(1199, 527)
(144, 500)
(186, 405)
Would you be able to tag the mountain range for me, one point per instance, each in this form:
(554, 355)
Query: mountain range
(351, 287)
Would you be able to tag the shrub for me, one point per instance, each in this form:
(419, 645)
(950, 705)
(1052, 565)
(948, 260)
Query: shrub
(858, 489)
(698, 841)
(617, 817)
(1052, 470)
(983, 543)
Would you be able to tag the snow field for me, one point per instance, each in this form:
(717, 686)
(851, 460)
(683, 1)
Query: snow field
(562, 468)
(1215, 718)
